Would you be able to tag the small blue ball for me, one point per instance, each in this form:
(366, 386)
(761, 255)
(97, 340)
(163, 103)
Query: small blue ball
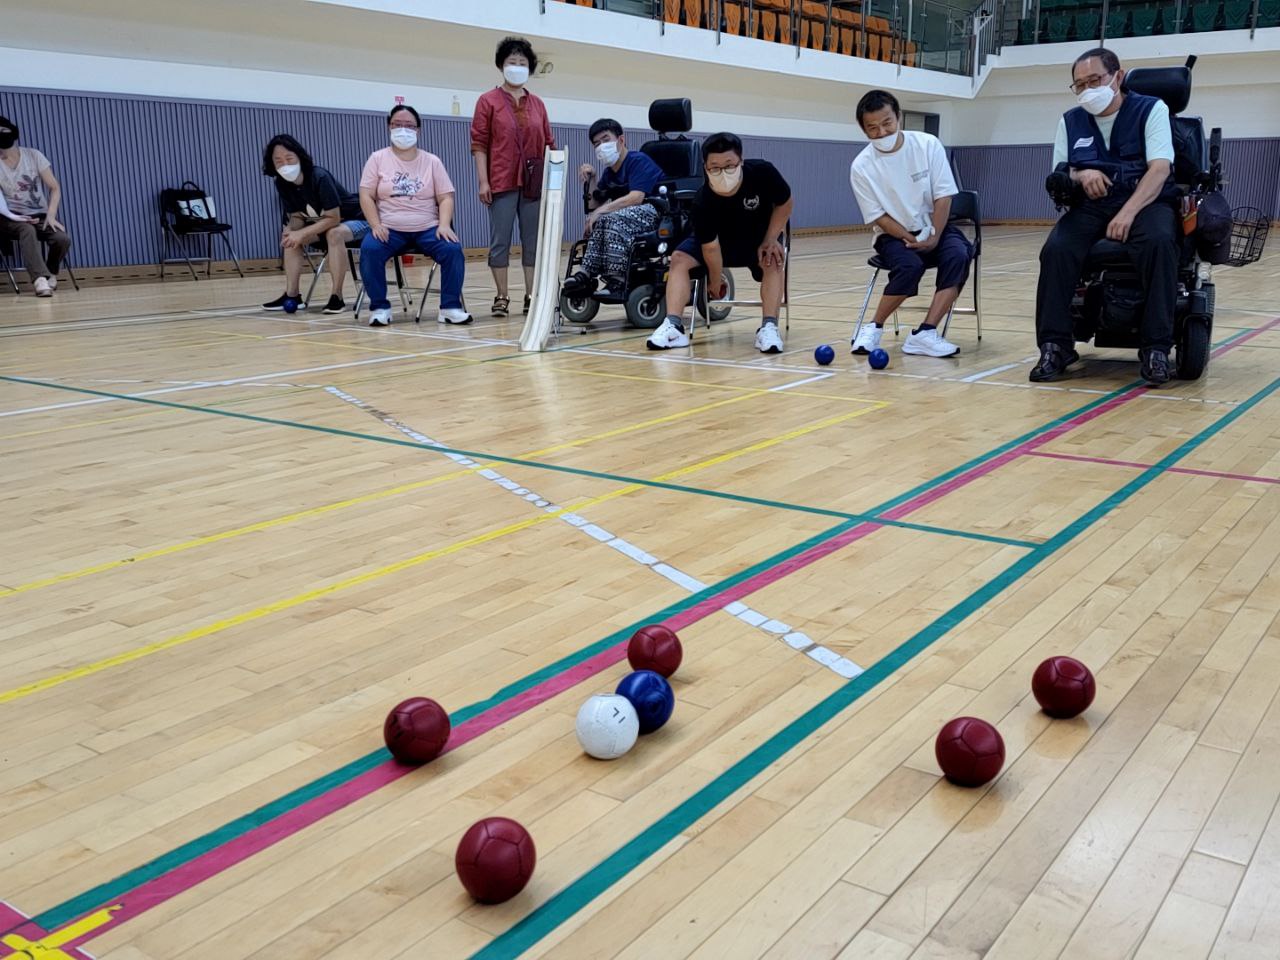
(652, 697)
(878, 359)
(290, 305)
(824, 354)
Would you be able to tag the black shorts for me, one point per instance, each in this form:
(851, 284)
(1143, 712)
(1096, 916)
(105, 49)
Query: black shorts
(733, 256)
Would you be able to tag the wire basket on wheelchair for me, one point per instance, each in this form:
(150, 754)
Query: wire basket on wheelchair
(1249, 229)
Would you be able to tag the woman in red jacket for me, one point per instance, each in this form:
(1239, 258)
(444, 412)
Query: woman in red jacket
(509, 133)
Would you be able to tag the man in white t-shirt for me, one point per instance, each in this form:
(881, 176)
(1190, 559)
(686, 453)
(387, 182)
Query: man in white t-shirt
(903, 185)
(29, 214)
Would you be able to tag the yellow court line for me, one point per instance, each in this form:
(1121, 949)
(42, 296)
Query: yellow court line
(330, 507)
(80, 425)
(287, 603)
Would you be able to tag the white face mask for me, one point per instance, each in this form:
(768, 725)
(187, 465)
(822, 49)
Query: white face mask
(607, 152)
(886, 143)
(291, 172)
(516, 76)
(725, 182)
(404, 137)
(1097, 99)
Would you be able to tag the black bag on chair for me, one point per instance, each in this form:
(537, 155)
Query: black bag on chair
(191, 207)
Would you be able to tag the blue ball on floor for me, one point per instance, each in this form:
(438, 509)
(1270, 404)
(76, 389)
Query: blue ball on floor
(824, 354)
(878, 359)
(651, 695)
(290, 305)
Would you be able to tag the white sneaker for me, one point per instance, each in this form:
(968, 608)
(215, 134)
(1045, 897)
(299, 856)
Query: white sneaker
(53, 283)
(768, 340)
(42, 287)
(667, 337)
(868, 339)
(453, 315)
(929, 343)
(380, 317)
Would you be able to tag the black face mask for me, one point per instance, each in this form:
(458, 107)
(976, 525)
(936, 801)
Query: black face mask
(7, 140)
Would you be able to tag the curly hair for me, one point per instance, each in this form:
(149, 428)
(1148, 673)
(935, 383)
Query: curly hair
(512, 45)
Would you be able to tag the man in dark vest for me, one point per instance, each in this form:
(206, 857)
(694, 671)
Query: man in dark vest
(1119, 149)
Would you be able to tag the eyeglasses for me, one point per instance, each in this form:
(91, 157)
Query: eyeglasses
(1089, 83)
(730, 169)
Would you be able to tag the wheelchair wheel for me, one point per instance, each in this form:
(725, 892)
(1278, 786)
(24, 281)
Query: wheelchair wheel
(1193, 349)
(646, 307)
(719, 313)
(578, 309)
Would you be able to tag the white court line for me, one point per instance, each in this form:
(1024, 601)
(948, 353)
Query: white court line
(72, 326)
(983, 374)
(232, 382)
(828, 658)
(800, 383)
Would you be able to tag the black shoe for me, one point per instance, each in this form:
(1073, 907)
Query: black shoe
(335, 305)
(579, 285)
(527, 300)
(1153, 364)
(1053, 363)
(277, 303)
(615, 287)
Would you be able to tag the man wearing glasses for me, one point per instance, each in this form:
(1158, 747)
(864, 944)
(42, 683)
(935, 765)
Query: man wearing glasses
(1118, 147)
(739, 218)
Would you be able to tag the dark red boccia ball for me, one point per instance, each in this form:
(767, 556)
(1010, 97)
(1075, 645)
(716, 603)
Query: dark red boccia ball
(969, 751)
(416, 730)
(1063, 687)
(495, 859)
(655, 647)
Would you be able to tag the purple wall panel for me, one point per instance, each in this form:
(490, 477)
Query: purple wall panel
(115, 153)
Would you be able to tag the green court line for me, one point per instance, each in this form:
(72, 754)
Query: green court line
(535, 464)
(563, 905)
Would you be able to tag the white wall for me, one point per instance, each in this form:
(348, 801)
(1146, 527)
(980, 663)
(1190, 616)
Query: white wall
(360, 54)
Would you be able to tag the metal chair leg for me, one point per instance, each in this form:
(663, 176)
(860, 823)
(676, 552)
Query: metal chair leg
(315, 278)
(866, 301)
(431, 276)
(977, 286)
(231, 253)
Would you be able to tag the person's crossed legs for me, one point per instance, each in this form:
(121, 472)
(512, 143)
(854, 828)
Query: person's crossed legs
(951, 257)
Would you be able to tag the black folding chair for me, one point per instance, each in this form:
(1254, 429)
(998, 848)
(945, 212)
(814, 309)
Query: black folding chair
(187, 212)
(965, 209)
(8, 255)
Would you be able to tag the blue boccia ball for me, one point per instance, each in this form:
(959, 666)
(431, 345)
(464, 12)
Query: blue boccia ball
(824, 354)
(652, 697)
(878, 359)
(290, 305)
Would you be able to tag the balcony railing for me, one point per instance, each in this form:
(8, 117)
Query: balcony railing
(1069, 21)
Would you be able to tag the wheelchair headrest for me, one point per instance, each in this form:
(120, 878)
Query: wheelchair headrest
(1170, 84)
(671, 116)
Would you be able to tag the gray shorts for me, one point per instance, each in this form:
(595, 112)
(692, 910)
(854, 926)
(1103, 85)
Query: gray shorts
(506, 208)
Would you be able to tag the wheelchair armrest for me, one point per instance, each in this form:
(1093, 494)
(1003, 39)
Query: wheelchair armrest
(1062, 190)
(685, 195)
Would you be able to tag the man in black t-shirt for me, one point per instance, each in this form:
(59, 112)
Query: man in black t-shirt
(316, 205)
(739, 220)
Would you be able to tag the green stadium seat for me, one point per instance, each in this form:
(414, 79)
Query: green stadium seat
(1117, 21)
(1235, 14)
(1204, 17)
(1087, 26)
(1269, 13)
(1144, 21)
(1057, 26)
(1027, 30)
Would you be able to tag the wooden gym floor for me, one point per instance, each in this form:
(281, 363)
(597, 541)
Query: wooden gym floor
(232, 540)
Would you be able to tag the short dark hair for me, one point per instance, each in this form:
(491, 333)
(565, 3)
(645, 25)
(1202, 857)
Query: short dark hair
(293, 146)
(722, 142)
(874, 100)
(515, 45)
(1110, 62)
(404, 106)
(604, 125)
(7, 124)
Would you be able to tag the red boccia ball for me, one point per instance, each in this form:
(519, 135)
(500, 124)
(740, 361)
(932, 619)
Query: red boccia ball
(1063, 687)
(655, 648)
(416, 730)
(969, 751)
(495, 859)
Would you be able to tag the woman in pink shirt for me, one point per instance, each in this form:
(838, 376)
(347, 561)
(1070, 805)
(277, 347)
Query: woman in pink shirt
(509, 134)
(407, 199)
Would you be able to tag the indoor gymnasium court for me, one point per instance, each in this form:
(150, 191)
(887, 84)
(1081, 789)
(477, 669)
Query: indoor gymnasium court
(234, 539)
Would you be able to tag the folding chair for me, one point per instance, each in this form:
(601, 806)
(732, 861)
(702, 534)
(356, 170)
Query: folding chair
(964, 209)
(8, 255)
(406, 293)
(187, 212)
(719, 309)
(321, 246)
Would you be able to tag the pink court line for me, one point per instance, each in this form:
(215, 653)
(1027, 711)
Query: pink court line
(1143, 466)
(190, 874)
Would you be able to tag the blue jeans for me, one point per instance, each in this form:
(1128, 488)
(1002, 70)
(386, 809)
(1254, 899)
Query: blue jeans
(374, 255)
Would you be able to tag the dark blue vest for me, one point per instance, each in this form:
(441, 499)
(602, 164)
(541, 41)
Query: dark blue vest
(1124, 161)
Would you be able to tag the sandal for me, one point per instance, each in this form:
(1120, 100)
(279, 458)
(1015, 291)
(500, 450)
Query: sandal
(501, 306)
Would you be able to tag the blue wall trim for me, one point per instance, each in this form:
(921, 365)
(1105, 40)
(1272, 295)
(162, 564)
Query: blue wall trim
(114, 153)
